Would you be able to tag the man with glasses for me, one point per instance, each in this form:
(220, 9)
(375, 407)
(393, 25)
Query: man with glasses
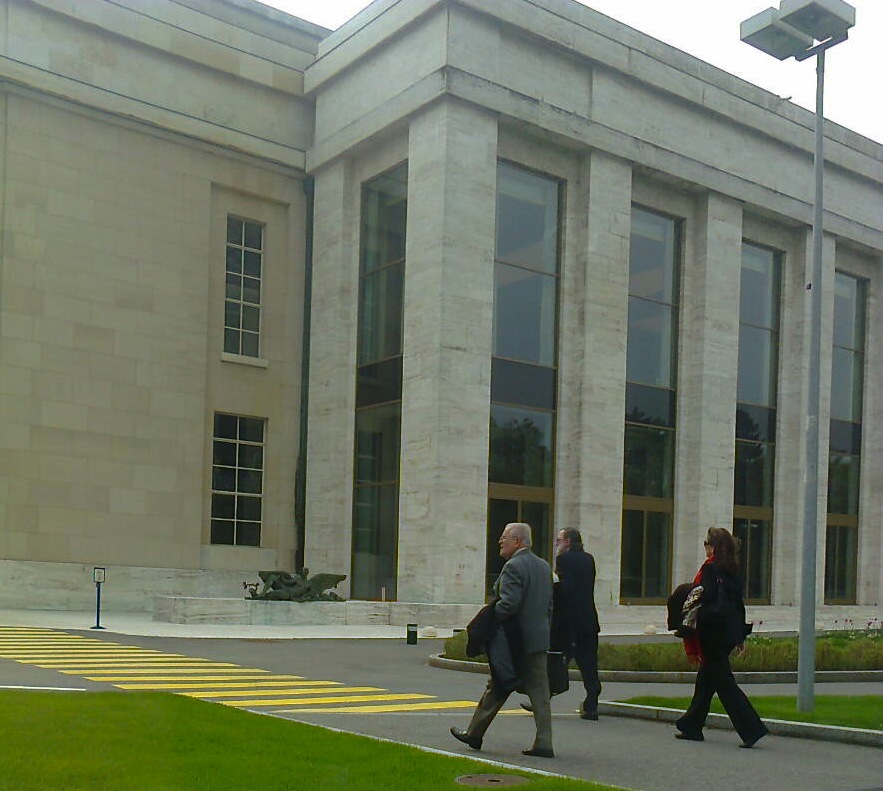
(522, 592)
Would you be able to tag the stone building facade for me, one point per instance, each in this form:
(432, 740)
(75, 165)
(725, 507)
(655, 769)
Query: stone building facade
(273, 295)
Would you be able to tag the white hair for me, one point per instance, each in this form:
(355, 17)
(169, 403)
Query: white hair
(521, 531)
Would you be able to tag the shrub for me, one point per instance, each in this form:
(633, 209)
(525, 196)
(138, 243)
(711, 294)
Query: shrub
(842, 650)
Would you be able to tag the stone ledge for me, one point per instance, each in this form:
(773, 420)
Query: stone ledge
(255, 612)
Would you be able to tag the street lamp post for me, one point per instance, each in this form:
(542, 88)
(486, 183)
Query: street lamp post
(800, 29)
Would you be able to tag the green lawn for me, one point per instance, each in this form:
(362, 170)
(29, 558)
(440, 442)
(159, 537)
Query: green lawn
(113, 741)
(859, 711)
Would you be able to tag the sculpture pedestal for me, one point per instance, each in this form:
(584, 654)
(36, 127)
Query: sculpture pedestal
(255, 612)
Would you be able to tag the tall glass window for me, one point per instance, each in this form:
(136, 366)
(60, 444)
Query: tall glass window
(844, 454)
(237, 480)
(379, 385)
(651, 380)
(242, 301)
(523, 374)
(756, 417)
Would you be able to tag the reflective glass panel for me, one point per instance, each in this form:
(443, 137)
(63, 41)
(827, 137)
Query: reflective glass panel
(657, 551)
(847, 374)
(527, 219)
(522, 384)
(631, 566)
(379, 383)
(654, 406)
(846, 437)
(651, 343)
(652, 256)
(755, 423)
(646, 553)
(500, 513)
(521, 446)
(377, 443)
(848, 312)
(223, 531)
(649, 461)
(375, 536)
(380, 323)
(759, 293)
(755, 546)
(234, 230)
(841, 553)
(754, 473)
(384, 219)
(844, 473)
(757, 366)
(524, 315)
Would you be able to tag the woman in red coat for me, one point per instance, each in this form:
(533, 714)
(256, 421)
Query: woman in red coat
(721, 629)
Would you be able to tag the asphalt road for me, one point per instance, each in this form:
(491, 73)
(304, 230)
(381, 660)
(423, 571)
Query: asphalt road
(386, 689)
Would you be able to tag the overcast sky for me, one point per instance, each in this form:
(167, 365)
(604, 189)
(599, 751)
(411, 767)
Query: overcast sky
(853, 69)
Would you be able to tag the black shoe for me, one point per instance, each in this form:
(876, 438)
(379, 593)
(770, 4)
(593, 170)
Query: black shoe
(527, 707)
(749, 743)
(463, 736)
(588, 715)
(690, 737)
(539, 752)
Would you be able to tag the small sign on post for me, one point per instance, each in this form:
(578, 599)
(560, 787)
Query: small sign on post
(99, 574)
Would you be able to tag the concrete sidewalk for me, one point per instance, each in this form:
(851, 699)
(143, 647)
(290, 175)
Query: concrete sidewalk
(142, 624)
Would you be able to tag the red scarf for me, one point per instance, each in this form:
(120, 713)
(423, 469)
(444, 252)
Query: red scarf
(691, 644)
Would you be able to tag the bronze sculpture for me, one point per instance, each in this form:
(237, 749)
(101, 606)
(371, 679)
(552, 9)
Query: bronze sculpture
(299, 587)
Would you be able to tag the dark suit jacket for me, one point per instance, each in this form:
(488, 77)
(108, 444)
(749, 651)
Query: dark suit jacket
(524, 591)
(576, 595)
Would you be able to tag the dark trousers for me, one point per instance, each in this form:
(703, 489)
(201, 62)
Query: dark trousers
(535, 681)
(584, 650)
(716, 676)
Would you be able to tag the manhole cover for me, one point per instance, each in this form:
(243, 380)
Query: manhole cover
(491, 781)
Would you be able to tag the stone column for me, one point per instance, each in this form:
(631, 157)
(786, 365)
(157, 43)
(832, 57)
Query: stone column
(790, 416)
(593, 357)
(870, 558)
(707, 374)
(332, 374)
(449, 291)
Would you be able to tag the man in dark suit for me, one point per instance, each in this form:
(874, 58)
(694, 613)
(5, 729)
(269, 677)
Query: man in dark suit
(577, 622)
(523, 594)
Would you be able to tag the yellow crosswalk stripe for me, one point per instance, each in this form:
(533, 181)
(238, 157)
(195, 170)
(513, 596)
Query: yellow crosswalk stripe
(172, 670)
(127, 660)
(280, 684)
(26, 630)
(67, 640)
(122, 657)
(46, 657)
(246, 678)
(83, 667)
(392, 707)
(329, 699)
(267, 693)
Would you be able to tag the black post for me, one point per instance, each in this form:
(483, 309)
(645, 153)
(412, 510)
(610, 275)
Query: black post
(412, 634)
(98, 606)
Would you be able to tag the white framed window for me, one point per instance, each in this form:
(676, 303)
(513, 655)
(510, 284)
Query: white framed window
(237, 480)
(242, 300)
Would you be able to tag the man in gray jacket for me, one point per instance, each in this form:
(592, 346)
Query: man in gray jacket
(523, 592)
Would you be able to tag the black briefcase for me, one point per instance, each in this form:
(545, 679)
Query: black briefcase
(557, 669)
